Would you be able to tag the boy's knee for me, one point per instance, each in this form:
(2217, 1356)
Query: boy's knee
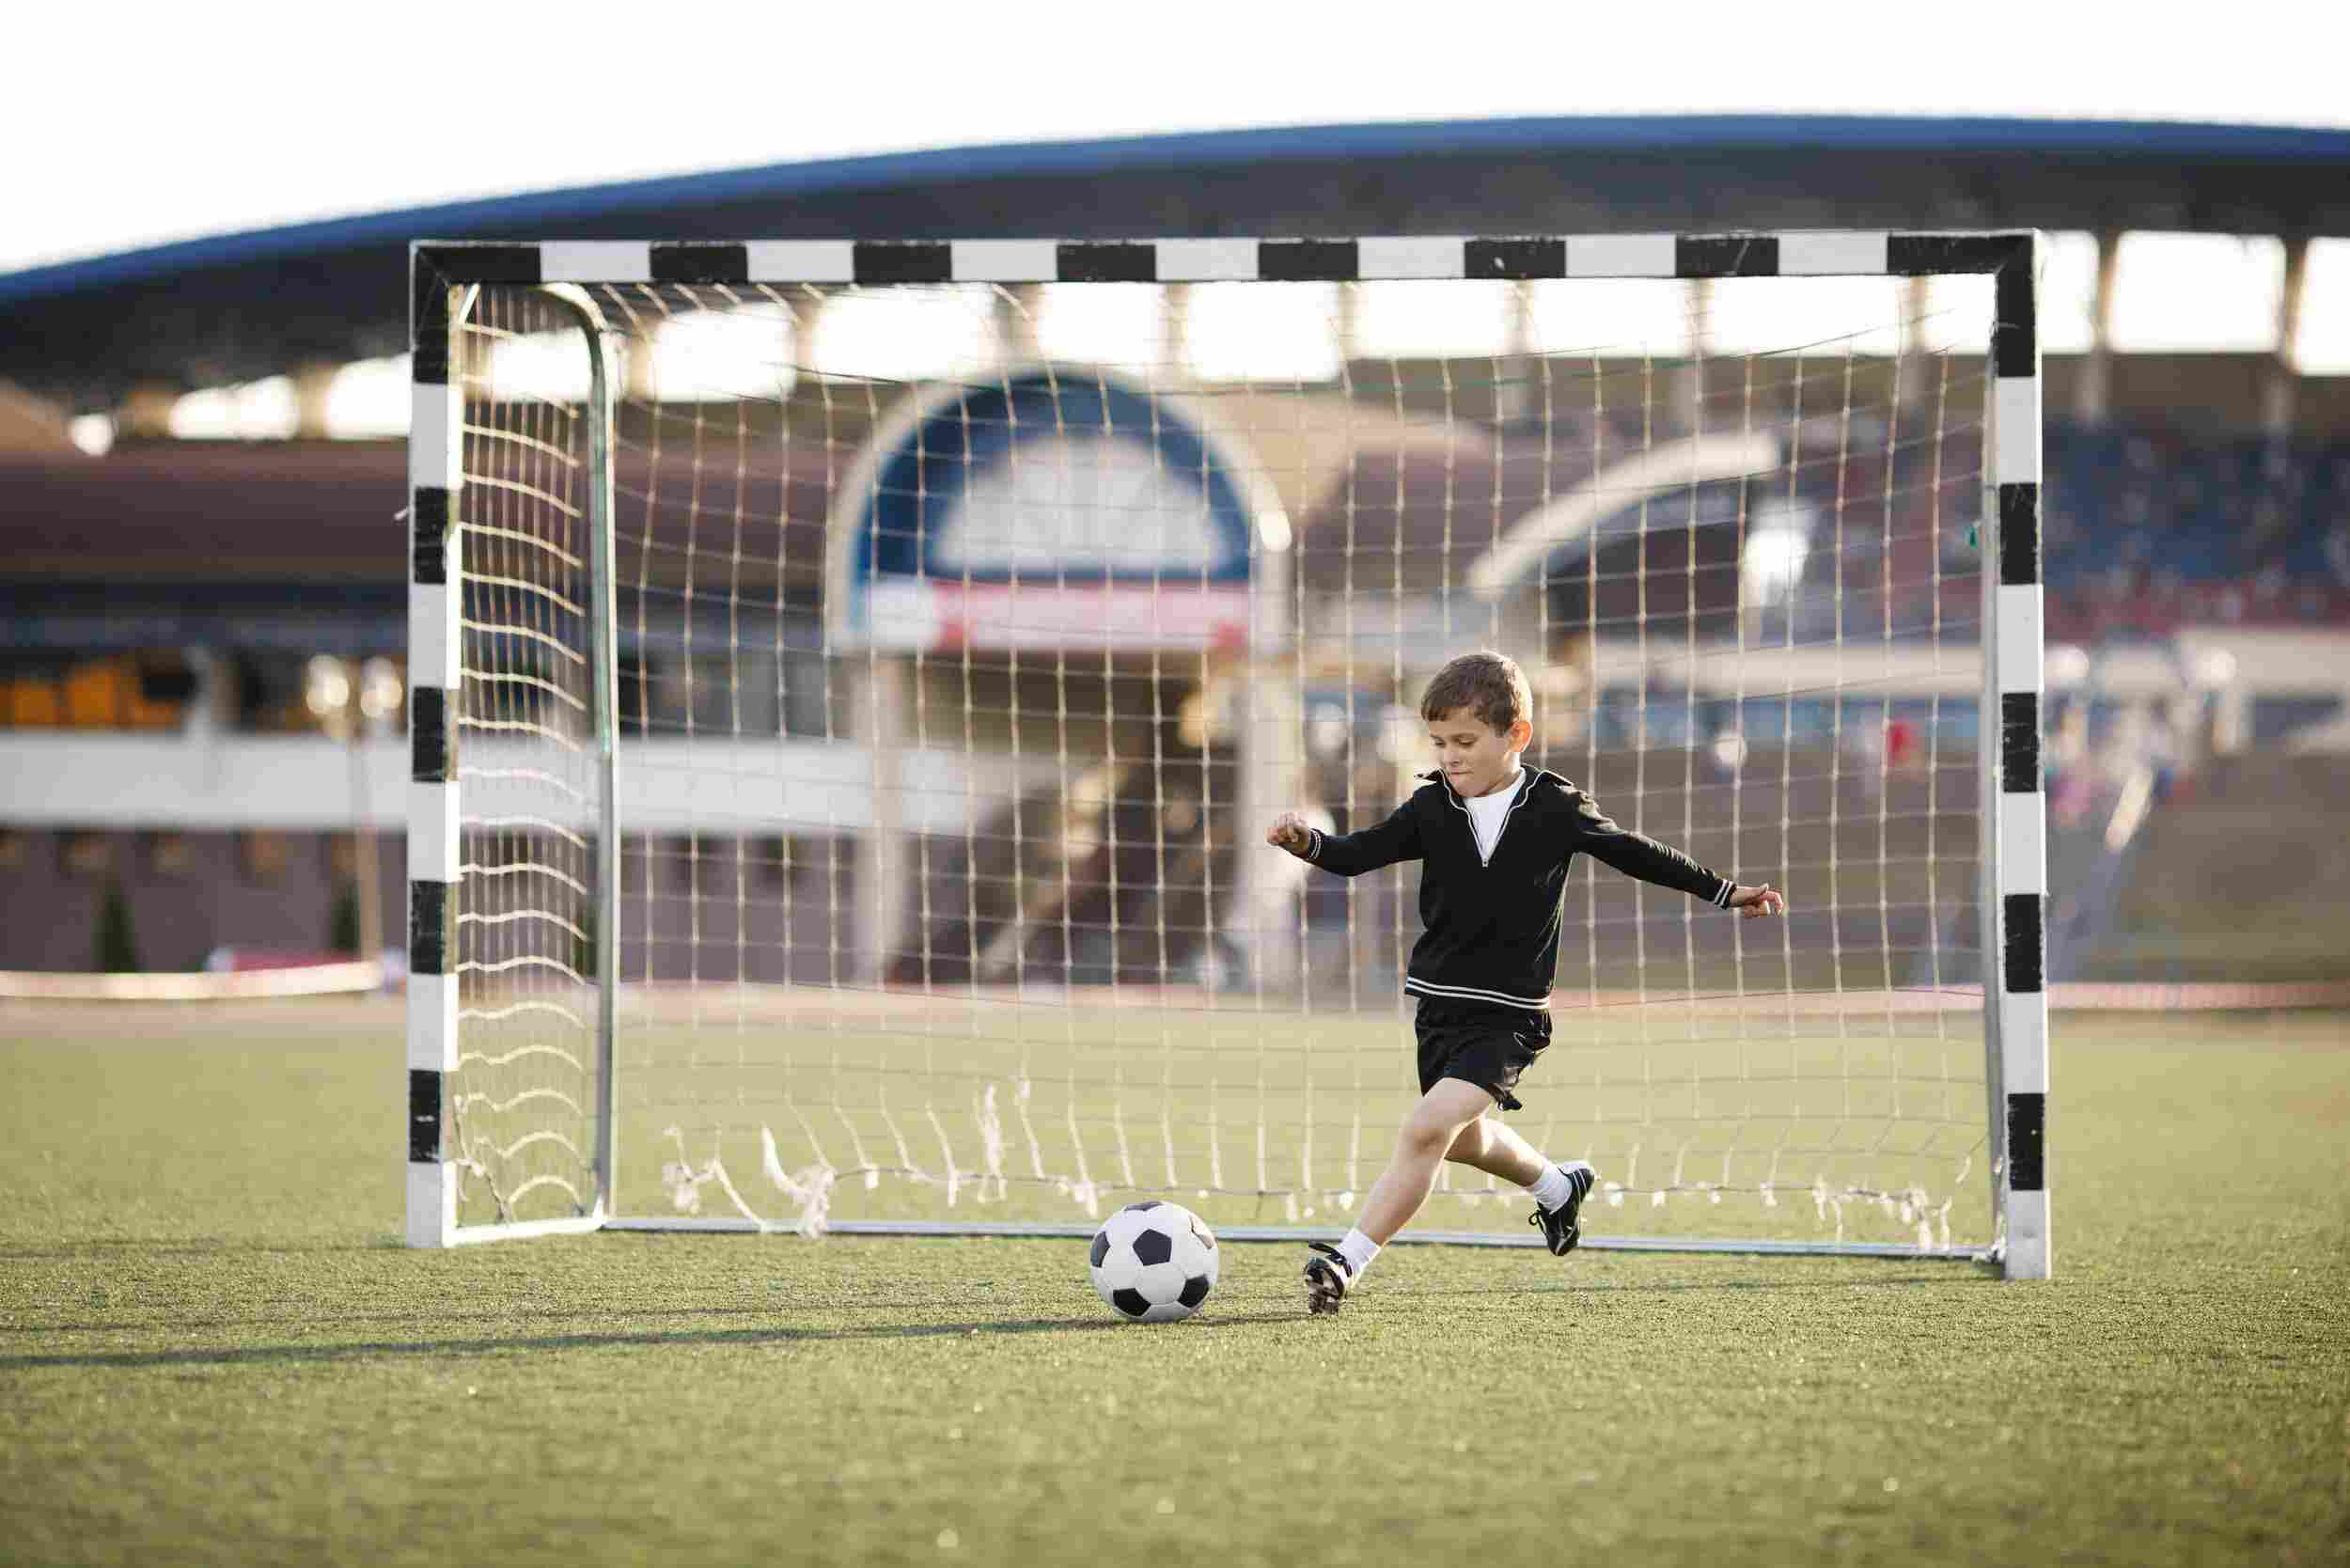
(1431, 1139)
(1427, 1140)
(1442, 1116)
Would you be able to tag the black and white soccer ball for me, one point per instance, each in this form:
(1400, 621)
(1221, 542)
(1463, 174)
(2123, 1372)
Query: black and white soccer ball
(1153, 1262)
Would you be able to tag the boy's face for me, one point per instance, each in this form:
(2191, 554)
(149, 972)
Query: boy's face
(1473, 754)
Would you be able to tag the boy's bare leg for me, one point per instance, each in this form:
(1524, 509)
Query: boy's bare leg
(1558, 1190)
(1443, 1116)
(1428, 1132)
(1448, 1124)
(1493, 1145)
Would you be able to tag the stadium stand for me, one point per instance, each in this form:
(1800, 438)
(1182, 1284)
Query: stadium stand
(2177, 501)
(2148, 532)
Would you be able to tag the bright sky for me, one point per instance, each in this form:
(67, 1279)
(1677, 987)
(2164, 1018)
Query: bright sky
(190, 122)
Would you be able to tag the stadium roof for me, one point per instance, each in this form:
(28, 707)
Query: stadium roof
(236, 307)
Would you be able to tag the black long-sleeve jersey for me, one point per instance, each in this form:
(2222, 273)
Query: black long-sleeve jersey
(1491, 928)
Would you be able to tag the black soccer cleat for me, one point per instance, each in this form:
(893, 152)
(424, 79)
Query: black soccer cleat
(1328, 1277)
(1562, 1227)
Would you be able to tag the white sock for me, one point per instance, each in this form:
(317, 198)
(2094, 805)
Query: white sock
(1358, 1250)
(1552, 1187)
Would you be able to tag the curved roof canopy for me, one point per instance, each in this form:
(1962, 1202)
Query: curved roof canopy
(235, 307)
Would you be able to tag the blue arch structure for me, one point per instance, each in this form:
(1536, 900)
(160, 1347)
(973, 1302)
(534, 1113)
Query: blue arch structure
(926, 474)
(900, 509)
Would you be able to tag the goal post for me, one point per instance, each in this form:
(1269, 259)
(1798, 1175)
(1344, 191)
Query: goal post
(461, 673)
(849, 680)
(2015, 851)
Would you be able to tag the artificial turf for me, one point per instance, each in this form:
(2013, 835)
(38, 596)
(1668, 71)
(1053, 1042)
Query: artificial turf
(212, 1349)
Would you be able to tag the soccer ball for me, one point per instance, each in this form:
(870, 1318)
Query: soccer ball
(1153, 1262)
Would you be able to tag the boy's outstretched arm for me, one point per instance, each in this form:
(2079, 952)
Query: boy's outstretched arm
(1349, 854)
(1637, 854)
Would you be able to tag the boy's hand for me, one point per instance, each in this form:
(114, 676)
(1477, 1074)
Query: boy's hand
(1755, 902)
(1290, 832)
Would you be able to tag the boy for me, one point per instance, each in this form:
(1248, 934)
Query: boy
(1496, 840)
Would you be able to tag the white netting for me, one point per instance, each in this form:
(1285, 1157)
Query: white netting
(524, 1098)
(945, 894)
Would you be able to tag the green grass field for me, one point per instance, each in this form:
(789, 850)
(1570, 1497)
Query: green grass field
(213, 1350)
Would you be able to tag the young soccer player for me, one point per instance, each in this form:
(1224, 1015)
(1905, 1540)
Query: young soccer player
(1496, 840)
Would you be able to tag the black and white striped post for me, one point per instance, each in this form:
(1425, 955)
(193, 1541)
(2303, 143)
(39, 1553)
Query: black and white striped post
(2016, 990)
(435, 590)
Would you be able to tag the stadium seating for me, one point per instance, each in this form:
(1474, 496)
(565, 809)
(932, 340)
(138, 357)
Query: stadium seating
(2149, 531)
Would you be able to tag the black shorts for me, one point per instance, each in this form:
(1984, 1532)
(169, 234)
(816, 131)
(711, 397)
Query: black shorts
(1479, 1043)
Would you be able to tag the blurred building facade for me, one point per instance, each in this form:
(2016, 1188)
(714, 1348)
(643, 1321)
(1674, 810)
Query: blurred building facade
(169, 603)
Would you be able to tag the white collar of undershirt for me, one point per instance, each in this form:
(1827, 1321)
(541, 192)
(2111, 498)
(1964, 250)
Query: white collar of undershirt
(1488, 812)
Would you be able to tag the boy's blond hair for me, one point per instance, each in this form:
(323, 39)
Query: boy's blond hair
(1490, 684)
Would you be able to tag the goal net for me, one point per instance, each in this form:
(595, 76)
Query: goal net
(852, 684)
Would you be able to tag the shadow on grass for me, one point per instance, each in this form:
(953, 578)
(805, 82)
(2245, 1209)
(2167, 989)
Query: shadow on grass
(190, 1246)
(495, 1314)
(181, 1325)
(296, 1354)
(1967, 1275)
(317, 1320)
(784, 1335)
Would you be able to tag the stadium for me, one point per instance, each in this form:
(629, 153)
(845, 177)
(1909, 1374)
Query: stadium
(766, 689)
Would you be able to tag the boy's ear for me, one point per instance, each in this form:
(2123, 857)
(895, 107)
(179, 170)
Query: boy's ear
(1521, 733)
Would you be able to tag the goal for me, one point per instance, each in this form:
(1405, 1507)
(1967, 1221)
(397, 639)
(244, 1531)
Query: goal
(850, 682)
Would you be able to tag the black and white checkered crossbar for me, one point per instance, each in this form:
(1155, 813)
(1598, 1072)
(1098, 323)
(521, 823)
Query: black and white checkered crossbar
(2017, 978)
(1830, 253)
